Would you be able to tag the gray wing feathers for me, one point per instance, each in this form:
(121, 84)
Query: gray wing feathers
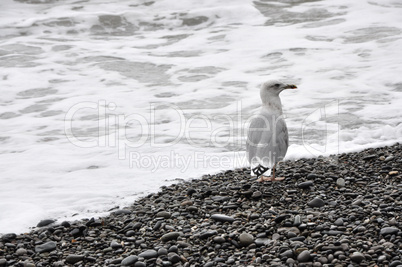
(267, 140)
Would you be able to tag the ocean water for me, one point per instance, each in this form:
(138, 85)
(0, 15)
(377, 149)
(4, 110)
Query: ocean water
(105, 101)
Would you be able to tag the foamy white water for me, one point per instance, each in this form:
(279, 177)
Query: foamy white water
(105, 101)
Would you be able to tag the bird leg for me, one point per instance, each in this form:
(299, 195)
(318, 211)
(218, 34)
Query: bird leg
(263, 178)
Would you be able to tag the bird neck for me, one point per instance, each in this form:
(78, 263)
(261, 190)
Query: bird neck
(272, 104)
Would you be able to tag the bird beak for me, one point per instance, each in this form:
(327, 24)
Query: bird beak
(290, 86)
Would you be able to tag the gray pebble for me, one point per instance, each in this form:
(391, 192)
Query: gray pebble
(222, 218)
(129, 260)
(72, 258)
(389, 230)
(47, 247)
(357, 257)
(149, 254)
(304, 256)
(316, 203)
(246, 239)
(170, 236)
(340, 182)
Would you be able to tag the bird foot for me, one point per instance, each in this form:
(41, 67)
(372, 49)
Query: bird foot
(263, 178)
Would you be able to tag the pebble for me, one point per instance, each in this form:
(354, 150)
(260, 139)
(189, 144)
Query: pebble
(305, 185)
(340, 182)
(149, 254)
(129, 260)
(246, 239)
(304, 256)
(46, 247)
(170, 236)
(222, 218)
(45, 223)
(163, 214)
(389, 231)
(316, 203)
(72, 258)
(357, 257)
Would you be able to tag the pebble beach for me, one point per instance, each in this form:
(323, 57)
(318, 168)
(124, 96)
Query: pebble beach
(342, 210)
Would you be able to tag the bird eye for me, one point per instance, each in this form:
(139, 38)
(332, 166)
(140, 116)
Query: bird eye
(277, 85)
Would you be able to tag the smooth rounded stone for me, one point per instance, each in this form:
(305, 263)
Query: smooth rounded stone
(21, 252)
(162, 251)
(339, 222)
(297, 220)
(149, 254)
(219, 239)
(192, 209)
(173, 249)
(170, 236)
(122, 212)
(129, 260)
(246, 239)
(46, 247)
(45, 222)
(140, 264)
(256, 194)
(3, 262)
(389, 231)
(287, 254)
(316, 203)
(163, 214)
(222, 218)
(187, 203)
(115, 245)
(395, 263)
(173, 257)
(28, 264)
(206, 234)
(262, 241)
(357, 257)
(8, 237)
(305, 185)
(73, 258)
(340, 182)
(311, 176)
(304, 256)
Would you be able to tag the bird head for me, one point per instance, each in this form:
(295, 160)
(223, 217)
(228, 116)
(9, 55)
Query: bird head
(275, 87)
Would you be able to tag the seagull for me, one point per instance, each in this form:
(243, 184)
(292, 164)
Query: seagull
(267, 137)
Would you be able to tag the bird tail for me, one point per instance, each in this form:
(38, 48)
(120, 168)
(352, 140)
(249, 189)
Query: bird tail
(259, 170)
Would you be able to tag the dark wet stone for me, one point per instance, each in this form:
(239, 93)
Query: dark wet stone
(72, 258)
(316, 203)
(306, 184)
(173, 257)
(262, 241)
(357, 257)
(8, 237)
(47, 247)
(206, 234)
(121, 212)
(222, 218)
(129, 260)
(115, 245)
(389, 231)
(45, 223)
(395, 263)
(162, 251)
(149, 254)
(170, 236)
(140, 264)
(304, 256)
(163, 214)
(369, 157)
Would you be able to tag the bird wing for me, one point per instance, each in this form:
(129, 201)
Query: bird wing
(267, 140)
